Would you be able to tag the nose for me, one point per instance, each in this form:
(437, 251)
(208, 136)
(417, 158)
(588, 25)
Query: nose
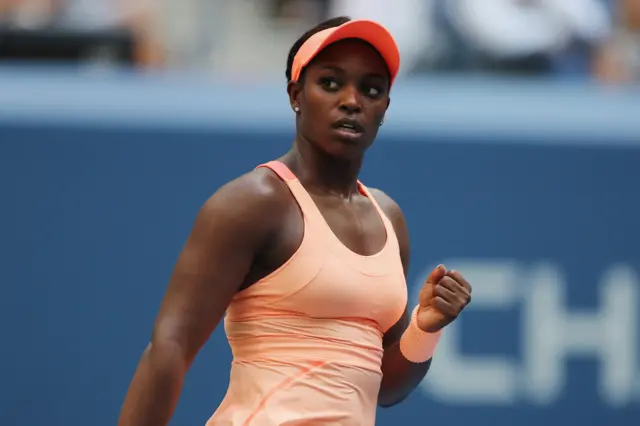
(350, 100)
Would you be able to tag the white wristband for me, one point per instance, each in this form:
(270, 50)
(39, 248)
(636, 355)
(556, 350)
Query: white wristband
(416, 345)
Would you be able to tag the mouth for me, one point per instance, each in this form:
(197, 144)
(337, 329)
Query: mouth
(349, 128)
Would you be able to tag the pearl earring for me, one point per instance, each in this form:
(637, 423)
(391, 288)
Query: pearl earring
(296, 109)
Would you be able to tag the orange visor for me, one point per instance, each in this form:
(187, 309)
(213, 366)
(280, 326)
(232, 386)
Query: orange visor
(371, 32)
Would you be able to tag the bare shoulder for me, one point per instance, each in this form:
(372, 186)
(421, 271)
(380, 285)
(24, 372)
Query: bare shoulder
(244, 214)
(387, 204)
(256, 194)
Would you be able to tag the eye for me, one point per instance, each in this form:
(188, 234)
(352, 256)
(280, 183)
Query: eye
(329, 84)
(372, 90)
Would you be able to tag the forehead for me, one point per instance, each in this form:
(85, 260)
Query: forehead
(352, 55)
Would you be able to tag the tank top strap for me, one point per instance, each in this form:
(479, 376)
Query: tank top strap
(280, 169)
(391, 233)
(304, 200)
(365, 191)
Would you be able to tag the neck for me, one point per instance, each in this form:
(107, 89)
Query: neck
(325, 173)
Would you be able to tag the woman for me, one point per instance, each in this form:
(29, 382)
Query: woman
(307, 262)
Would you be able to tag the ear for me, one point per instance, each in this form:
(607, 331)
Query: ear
(294, 89)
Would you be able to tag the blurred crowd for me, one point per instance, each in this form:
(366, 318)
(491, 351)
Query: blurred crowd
(250, 38)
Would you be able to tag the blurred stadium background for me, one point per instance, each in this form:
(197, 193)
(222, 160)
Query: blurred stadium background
(513, 141)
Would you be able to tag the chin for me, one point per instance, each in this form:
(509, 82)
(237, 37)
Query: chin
(347, 151)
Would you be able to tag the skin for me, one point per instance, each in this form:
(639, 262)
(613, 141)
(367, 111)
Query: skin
(252, 225)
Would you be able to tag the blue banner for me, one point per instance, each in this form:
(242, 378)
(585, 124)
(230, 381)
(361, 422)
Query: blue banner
(93, 218)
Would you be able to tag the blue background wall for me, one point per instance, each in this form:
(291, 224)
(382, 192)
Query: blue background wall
(94, 212)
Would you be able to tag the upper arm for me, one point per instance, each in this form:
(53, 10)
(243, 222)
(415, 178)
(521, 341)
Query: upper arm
(395, 215)
(230, 230)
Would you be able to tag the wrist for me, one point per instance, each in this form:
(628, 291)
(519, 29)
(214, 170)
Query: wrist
(414, 318)
(417, 345)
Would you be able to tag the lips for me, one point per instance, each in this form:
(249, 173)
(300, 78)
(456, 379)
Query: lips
(349, 126)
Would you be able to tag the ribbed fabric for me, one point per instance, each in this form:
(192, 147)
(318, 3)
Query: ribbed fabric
(416, 345)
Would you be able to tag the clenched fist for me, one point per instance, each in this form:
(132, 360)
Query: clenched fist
(444, 295)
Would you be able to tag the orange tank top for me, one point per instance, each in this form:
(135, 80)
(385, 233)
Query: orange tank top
(307, 339)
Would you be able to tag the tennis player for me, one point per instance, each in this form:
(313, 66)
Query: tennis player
(307, 262)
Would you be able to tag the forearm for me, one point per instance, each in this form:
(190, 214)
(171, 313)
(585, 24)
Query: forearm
(399, 376)
(155, 388)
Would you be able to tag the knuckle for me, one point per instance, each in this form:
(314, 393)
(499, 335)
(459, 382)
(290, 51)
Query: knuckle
(447, 280)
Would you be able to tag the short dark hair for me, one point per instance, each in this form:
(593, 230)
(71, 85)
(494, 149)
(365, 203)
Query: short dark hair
(330, 23)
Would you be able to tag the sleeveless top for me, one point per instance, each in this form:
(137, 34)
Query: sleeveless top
(307, 339)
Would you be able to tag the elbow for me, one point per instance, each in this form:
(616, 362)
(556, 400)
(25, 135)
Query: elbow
(168, 354)
(386, 404)
(391, 402)
(396, 390)
(155, 384)
(388, 399)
